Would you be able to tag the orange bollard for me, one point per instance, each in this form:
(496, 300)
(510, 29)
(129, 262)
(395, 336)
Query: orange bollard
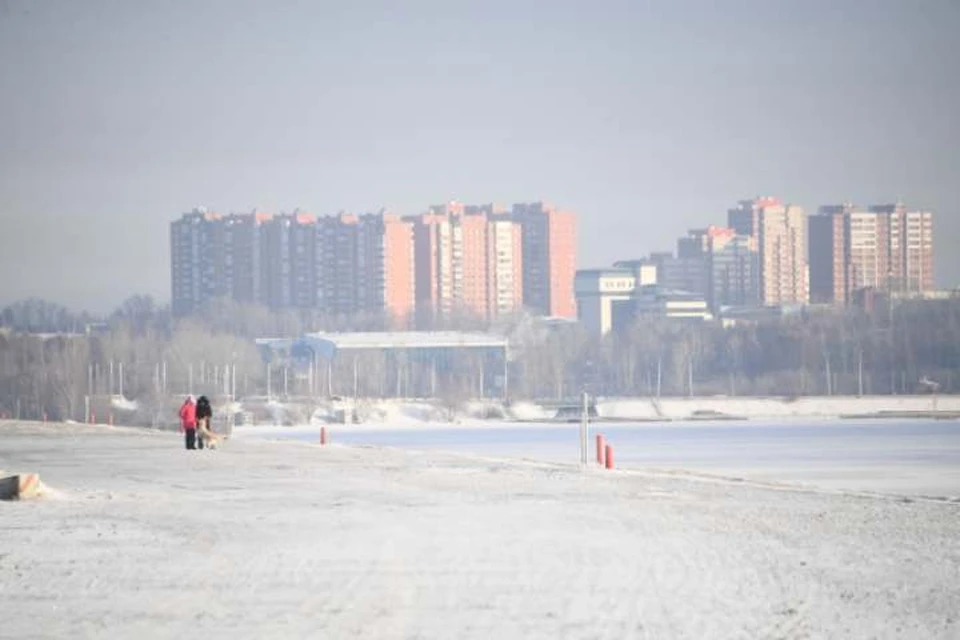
(323, 435)
(44, 416)
(93, 417)
(600, 445)
(110, 418)
(609, 456)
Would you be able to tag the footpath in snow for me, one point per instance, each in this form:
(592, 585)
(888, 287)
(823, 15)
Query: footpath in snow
(140, 538)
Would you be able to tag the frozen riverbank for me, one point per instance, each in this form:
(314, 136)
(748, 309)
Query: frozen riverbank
(909, 457)
(263, 539)
(410, 412)
(758, 408)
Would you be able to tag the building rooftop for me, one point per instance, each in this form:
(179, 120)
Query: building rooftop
(404, 340)
(605, 271)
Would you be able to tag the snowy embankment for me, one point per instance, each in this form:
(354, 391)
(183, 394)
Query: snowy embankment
(411, 413)
(752, 408)
(145, 540)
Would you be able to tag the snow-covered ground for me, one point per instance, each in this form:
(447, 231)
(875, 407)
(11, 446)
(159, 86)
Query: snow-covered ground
(141, 539)
(913, 457)
(753, 408)
(409, 412)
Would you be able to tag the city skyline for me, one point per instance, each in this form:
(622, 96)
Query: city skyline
(486, 261)
(645, 118)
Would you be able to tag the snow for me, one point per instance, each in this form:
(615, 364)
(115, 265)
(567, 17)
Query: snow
(751, 408)
(124, 404)
(918, 456)
(284, 539)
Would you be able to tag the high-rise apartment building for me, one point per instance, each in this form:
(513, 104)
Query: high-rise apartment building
(244, 268)
(549, 258)
(454, 257)
(504, 266)
(827, 254)
(884, 248)
(733, 270)
(195, 247)
(343, 265)
(910, 248)
(467, 259)
(385, 266)
(288, 243)
(780, 233)
(716, 263)
(364, 264)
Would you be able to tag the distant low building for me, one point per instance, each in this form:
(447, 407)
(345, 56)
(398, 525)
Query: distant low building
(653, 300)
(598, 292)
(610, 299)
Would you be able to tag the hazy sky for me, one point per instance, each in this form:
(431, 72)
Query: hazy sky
(646, 118)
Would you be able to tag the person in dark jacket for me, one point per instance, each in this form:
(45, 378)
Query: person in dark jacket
(204, 413)
(188, 422)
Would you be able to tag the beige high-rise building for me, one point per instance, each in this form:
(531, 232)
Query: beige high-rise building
(504, 268)
(909, 249)
(883, 248)
(780, 233)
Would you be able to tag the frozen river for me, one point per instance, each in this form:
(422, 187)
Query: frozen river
(911, 457)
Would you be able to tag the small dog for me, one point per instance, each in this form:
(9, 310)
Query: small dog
(209, 439)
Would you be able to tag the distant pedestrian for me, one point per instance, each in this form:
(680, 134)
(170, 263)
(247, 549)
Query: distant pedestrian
(204, 413)
(188, 422)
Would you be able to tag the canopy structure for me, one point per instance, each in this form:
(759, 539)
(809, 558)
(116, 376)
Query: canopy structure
(399, 364)
(329, 345)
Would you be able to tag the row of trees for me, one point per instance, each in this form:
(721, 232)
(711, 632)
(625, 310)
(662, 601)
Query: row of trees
(50, 363)
(822, 353)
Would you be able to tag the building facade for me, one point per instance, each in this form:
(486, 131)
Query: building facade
(909, 248)
(452, 258)
(342, 264)
(885, 248)
(364, 264)
(467, 259)
(780, 233)
(549, 239)
(196, 269)
(243, 237)
(734, 270)
(827, 251)
(504, 268)
(599, 292)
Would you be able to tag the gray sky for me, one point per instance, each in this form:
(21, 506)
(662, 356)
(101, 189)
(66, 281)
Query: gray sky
(646, 118)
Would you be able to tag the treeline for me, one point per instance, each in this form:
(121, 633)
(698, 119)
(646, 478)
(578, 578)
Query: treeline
(913, 348)
(51, 360)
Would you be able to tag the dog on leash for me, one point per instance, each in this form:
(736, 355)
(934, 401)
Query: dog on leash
(208, 437)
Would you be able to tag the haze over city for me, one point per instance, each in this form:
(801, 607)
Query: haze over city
(644, 118)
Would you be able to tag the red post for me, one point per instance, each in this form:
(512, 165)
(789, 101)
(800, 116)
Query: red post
(609, 456)
(323, 435)
(44, 416)
(93, 417)
(110, 418)
(600, 445)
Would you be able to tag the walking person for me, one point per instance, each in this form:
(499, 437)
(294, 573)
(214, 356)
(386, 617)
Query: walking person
(204, 413)
(188, 422)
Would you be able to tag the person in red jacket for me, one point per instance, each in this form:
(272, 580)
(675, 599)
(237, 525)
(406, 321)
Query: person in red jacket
(188, 422)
